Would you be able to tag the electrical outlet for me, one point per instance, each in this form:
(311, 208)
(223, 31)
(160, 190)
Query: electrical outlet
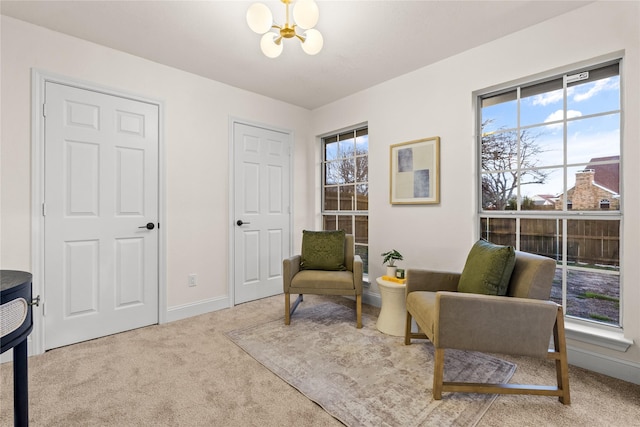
(193, 279)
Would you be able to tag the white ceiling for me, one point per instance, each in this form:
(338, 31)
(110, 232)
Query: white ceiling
(365, 42)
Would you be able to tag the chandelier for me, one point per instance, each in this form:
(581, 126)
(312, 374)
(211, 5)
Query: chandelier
(305, 15)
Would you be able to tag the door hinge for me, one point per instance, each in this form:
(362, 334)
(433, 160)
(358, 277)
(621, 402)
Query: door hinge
(35, 301)
(44, 110)
(44, 209)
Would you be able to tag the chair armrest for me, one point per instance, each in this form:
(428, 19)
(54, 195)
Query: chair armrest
(493, 324)
(357, 274)
(290, 267)
(432, 281)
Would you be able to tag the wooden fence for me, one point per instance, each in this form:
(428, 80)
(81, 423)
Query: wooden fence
(593, 242)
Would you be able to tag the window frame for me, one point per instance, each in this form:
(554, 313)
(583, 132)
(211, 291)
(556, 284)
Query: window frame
(607, 335)
(337, 213)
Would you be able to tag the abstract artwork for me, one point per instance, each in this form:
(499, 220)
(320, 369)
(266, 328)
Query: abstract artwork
(415, 172)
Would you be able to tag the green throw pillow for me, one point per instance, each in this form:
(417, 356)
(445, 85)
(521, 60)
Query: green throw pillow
(322, 250)
(488, 269)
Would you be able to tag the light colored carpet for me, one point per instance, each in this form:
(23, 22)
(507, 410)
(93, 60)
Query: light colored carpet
(188, 373)
(364, 377)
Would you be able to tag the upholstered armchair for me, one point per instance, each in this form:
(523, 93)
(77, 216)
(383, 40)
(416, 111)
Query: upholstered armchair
(327, 265)
(517, 319)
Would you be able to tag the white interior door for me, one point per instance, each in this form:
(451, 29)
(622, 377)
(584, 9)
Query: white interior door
(101, 191)
(262, 210)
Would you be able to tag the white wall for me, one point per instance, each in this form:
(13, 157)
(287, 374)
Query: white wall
(438, 101)
(196, 130)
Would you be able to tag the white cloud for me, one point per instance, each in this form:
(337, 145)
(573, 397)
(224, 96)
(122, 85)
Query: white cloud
(556, 95)
(600, 85)
(558, 115)
(573, 113)
(548, 98)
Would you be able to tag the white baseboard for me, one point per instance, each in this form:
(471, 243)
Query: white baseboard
(195, 309)
(180, 312)
(603, 364)
(173, 313)
(371, 298)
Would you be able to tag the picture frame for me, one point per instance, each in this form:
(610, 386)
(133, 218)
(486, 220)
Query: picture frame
(415, 172)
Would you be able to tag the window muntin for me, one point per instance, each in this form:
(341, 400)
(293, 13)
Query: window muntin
(550, 152)
(345, 187)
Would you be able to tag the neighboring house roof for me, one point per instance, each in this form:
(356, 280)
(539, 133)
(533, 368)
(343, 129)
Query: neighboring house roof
(607, 175)
(544, 199)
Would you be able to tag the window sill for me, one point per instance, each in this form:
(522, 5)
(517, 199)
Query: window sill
(601, 336)
(365, 281)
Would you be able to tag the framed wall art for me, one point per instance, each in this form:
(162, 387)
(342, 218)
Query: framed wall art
(415, 172)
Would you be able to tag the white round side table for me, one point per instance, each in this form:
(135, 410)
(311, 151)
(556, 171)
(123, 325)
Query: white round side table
(393, 310)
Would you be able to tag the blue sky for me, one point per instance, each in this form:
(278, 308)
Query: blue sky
(587, 137)
(346, 147)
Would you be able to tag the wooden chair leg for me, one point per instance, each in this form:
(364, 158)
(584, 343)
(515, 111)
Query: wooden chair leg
(562, 364)
(288, 310)
(407, 330)
(359, 311)
(409, 335)
(287, 304)
(438, 373)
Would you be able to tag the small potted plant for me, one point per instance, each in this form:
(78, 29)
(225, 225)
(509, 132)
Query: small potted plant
(390, 259)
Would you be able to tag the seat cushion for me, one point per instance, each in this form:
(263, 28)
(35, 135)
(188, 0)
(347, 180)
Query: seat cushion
(422, 306)
(322, 250)
(488, 269)
(312, 280)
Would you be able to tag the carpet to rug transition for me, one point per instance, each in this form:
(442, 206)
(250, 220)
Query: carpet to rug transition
(363, 377)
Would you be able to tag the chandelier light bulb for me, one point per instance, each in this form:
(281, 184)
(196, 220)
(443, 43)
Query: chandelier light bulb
(305, 17)
(313, 42)
(306, 13)
(269, 47)
(259, 18)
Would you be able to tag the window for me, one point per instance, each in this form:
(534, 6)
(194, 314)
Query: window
(550, 182)
(345, 187)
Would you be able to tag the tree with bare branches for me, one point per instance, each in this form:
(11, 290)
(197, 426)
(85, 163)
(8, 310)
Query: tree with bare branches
(503, 156)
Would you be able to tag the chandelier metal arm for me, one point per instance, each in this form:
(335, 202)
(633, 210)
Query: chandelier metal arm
(286, 22)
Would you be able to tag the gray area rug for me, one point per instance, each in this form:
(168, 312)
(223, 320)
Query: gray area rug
(363, 377)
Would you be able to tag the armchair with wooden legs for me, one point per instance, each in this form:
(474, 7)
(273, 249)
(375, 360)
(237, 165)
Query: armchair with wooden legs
(343, 276)
(520, 323)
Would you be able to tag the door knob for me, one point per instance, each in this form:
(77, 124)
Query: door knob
(149, 226)
(239, 222)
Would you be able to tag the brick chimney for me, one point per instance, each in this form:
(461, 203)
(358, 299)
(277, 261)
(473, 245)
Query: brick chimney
(584, 178)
